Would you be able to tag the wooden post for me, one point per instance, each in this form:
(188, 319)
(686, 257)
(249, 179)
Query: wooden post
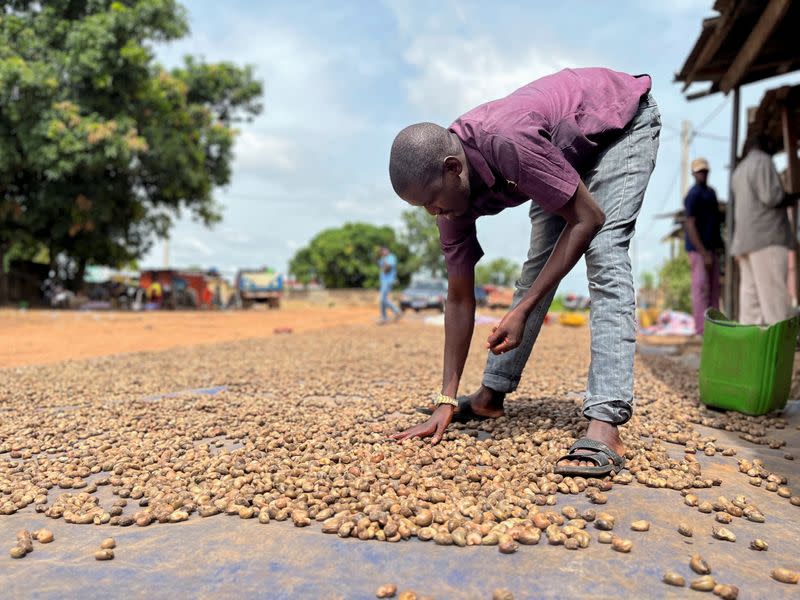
(731, 291)
(686, 139)
(166, 253)
(793, 184)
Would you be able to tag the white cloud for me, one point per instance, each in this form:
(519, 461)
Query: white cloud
(355, 208)
(458, 64)
(372, 201)
(259, 151)
(188, 246)
(233, 236)
(457, 73)
(300, 75)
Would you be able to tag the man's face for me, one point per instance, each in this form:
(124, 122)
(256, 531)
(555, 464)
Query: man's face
(448, 195)
(701, 177)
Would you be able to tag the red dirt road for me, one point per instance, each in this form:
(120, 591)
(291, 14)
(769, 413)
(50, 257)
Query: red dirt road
(43, 336)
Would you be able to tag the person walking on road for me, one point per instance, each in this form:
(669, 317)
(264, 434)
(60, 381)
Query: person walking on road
(581, 144)
(388, 276)
(761, 236)
(703, 242)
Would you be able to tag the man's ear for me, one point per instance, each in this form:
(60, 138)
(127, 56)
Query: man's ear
(452, 164)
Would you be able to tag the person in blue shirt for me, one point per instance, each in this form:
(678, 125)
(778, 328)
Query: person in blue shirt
(703, 242)
(388, 277)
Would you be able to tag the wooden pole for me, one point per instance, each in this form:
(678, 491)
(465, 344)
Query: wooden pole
(686, 137)
(731, 290)
(793, 184)
(166, 253)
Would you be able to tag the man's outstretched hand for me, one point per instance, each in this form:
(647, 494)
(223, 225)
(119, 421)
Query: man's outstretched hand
(434, 426)
(508, 333)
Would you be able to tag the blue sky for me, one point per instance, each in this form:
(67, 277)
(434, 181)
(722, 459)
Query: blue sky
(341, 78)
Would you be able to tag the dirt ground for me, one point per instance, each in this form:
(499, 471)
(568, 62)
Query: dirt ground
(33, 337)
(46, 336)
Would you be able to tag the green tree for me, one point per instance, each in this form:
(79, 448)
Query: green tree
(675, 281)
(499, 271)
(421, 235)
(347, 256)
(100, 146)
(648, 280)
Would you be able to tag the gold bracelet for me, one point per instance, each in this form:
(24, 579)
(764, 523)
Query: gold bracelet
(442, 399)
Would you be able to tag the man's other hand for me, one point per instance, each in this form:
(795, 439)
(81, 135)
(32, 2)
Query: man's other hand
(508, 333)
(434, 426)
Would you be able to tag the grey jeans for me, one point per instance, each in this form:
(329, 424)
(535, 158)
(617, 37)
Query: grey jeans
(617, 181)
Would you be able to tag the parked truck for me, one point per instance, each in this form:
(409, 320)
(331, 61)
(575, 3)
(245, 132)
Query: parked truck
(259, 285)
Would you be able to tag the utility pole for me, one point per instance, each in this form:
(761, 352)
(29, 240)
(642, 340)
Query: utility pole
(166, 253)
(731, 289)
(686, 139)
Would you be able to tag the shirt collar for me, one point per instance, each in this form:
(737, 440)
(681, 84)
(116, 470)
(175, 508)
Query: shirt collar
(477, 162)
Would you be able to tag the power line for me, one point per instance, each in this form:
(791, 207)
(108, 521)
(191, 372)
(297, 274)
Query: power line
(711, 115)
(712, 136)
(697, 131)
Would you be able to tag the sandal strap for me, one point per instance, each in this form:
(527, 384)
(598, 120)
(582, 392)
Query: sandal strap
(587, 444)
(600, 459)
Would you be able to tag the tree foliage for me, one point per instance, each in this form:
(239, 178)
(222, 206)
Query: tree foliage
(347, 257)
(100, 146)
(421, 235)
(675, 280)
(500, 271)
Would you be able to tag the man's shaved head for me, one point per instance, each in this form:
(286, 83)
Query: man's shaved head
(418, 154)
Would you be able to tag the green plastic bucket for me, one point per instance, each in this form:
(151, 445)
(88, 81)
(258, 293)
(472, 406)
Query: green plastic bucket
(746, 368)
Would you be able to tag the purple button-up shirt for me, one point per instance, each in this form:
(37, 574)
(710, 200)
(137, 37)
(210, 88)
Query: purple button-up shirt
(533, 144)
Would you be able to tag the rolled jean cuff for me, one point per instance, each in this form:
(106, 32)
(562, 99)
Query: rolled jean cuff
(499, 382)
(609, 410)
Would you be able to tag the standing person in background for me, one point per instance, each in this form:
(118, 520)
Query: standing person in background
(388, 277)
(761, 237)
(703, 242)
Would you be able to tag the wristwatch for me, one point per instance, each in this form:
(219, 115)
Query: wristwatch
(442, 399)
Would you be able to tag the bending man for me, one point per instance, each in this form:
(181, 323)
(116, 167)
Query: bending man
(580, 144)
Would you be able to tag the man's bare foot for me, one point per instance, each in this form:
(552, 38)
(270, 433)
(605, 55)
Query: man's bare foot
(600, 431)
(485, 402)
